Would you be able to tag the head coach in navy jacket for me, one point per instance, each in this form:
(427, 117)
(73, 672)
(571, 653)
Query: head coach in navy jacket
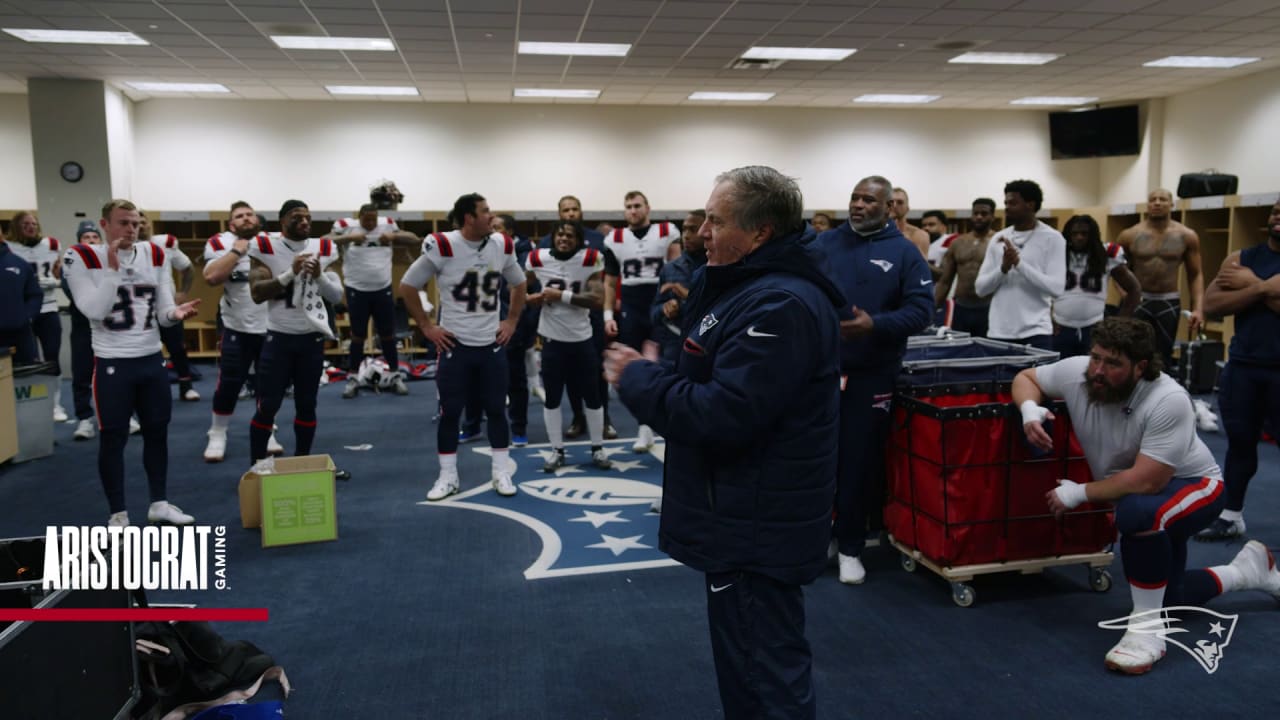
(750, 413)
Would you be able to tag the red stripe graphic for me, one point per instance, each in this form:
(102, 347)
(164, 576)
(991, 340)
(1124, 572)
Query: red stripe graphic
(132, 614)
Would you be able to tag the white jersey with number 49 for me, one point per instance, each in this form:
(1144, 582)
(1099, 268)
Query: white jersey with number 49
(469, 275)
(560, 320)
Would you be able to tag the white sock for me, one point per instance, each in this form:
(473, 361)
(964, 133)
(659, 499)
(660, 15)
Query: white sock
(1230, 577)
(532, 367)
(595, 425)
(449, 464)
(555, 426)
(500, 459)
(221, 423)
(1232, 515)
(1146, 599)
(57, 393)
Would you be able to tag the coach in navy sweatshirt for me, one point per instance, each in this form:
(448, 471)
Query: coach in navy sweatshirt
(890, 290)
(20, 298)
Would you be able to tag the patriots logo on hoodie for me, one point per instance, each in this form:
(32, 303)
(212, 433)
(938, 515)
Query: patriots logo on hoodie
(884, 265)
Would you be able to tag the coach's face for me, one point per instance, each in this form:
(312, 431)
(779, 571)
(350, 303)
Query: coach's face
(727, 243)
(868, 207)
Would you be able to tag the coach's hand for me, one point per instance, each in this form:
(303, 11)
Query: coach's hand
(616, 359)
(1033, 417)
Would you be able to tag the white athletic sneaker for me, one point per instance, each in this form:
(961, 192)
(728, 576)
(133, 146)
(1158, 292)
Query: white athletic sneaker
(1135, 653)
(644, 440)
(273, 446)
(84, 430)
(217, 447)
(353, 387)
(503, 484)
(59, 414)
(120, 519)
(134, 427)
(446, 485)
(399, 387)
(600, 460)
(164, 512)
(1257, 568)
(190, 395)
(851, 570)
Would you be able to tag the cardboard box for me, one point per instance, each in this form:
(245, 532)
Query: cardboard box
(294, 504)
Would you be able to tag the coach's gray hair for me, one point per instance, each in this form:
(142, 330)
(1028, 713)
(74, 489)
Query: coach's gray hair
(763, 196)
(883, 182)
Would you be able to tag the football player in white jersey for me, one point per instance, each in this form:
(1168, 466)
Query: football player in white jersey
(641, 249)
(287, 273)
(244, 322)
(469, 264)
(570, 274)
(172, 336)
(125, 289)
(44, 254)
(367, 242)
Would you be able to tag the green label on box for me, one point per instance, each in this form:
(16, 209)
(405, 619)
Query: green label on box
(298, 508)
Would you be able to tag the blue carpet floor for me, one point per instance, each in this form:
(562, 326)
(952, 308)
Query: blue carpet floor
(556, 604)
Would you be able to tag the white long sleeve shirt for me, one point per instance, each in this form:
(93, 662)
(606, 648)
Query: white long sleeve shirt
(1022, 300)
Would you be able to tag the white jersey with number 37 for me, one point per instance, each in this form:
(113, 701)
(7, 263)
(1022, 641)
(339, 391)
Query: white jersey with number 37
(125, 307)
(641, 258)
(469, 275)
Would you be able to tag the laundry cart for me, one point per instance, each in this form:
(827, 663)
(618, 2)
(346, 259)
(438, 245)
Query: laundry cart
(966, 492)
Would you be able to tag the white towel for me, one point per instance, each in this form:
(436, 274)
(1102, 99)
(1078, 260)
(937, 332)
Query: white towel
(306, 295)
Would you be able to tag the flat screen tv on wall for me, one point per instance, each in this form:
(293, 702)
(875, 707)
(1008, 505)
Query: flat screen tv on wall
(1104, 132)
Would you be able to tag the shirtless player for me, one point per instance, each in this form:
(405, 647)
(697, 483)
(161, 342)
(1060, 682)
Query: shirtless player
(961, 264)
(1155, 248)
(899, 206)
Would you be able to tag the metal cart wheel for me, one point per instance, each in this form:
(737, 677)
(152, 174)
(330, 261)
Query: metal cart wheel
(963, 595)
(908, 562)
(1099, 579)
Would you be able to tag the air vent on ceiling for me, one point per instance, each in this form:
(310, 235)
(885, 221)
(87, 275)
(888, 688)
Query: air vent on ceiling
(954, 45)
(755, 64)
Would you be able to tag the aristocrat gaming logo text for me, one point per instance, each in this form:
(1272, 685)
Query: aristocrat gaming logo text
(94, 557)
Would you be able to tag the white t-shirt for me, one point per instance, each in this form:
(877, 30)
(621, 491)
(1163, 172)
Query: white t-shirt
(563, 321)
(125, 307)
(1084, 302)
(366, 264)
(1021, 298)
(239, 311)
(640, 259)
(1157, 421)
(43, 258)
(470, 276)
(277, 253)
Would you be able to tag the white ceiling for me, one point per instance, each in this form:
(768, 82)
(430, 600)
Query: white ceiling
(464, 50)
